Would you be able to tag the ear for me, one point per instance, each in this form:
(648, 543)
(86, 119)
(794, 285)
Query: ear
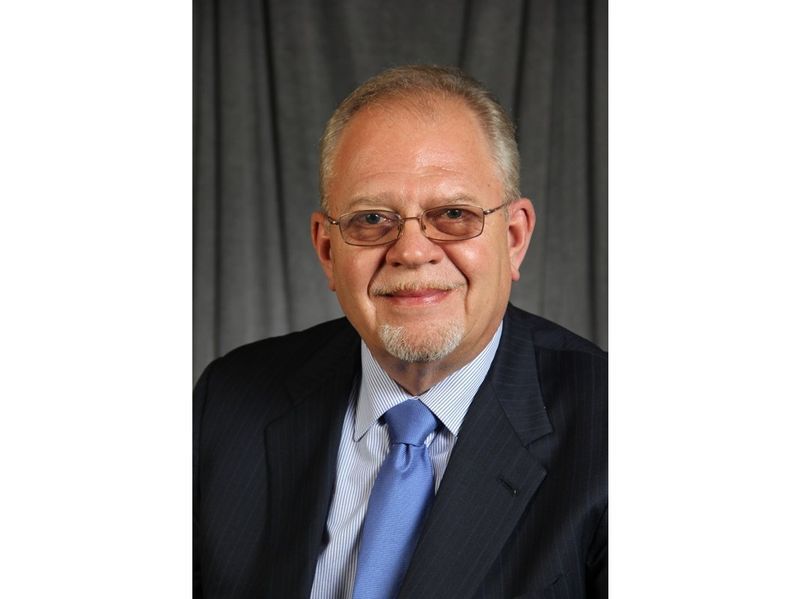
(521, 221)
(320, 237)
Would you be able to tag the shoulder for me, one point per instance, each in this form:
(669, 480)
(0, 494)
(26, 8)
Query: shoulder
(254, 384)
(290, 348)
(549, 336)
(286, 354)
(570, 370)
(256, 369)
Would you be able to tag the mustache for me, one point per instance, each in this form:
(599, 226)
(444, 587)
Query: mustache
(411, 286)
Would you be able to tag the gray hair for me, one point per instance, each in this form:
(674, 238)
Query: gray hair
(419, 83)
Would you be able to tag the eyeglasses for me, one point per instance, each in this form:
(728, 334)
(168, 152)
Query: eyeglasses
(443, 223)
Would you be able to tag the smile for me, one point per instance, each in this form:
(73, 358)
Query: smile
(416, 294)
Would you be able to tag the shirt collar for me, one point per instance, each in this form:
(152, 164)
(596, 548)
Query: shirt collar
(449, 399)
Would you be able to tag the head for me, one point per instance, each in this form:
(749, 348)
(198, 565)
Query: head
(424, 84)
(410, 140)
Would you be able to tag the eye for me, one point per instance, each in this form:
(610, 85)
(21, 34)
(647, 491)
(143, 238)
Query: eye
(369, 219)
(372, 218)
(446, 214)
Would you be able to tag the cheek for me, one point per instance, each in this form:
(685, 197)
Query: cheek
(354, 270)
(475, 263)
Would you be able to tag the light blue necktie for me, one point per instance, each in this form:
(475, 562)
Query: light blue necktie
(398, 503)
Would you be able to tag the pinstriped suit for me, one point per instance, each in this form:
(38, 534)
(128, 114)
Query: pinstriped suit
(522, 508)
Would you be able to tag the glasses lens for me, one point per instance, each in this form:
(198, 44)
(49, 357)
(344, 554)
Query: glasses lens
(369, 227)
(453, 222)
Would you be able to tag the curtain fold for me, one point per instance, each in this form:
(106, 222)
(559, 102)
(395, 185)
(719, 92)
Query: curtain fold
(269, 73)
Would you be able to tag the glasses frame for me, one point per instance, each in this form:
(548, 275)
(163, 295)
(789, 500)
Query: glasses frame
(401, 221)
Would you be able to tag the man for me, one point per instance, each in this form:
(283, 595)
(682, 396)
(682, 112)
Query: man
(300, 487)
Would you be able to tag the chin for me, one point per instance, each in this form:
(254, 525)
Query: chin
(431, 344)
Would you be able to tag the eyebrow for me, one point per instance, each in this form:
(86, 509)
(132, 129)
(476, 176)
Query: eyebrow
(368, 201)
(384, 200)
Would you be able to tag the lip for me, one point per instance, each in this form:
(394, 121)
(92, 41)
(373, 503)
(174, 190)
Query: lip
(417, 297)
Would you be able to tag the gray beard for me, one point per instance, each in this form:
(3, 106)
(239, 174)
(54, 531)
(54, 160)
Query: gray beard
(437, 343)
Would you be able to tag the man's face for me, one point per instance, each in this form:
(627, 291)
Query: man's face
(415, 299)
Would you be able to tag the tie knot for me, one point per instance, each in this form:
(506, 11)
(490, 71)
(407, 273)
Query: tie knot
(410, 422)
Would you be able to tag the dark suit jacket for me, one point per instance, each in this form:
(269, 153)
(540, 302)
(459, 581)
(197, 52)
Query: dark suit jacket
(522, 507)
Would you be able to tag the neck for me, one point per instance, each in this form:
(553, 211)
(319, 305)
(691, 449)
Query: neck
(416, 378)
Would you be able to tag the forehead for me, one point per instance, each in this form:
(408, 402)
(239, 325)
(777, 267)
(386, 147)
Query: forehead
(413, 149)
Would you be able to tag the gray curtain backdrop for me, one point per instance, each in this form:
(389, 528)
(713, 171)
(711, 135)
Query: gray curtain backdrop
(268, 74)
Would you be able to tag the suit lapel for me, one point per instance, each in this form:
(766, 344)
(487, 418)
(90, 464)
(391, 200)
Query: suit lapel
(490, 478)
(302, 447)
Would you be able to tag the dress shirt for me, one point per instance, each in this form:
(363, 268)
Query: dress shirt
(364, 445)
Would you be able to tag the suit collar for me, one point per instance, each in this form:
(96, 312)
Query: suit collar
(515, 380)
(335, 360)
(301, 450)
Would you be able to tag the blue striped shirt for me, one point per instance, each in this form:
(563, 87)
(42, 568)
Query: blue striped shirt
(364, 445)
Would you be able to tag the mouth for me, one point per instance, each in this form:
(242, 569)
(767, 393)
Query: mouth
(414, 294)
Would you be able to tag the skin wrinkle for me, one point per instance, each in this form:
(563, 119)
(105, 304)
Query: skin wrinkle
(384, 200)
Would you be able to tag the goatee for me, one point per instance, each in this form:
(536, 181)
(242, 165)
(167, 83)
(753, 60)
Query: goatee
(431, 345)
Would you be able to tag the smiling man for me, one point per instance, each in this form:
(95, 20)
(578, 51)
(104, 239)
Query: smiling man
(437, 442)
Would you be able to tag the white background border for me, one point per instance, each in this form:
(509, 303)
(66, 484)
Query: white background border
(95, 243)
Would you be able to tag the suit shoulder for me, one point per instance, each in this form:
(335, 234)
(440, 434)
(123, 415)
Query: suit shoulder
(286, 354)
(291, 342)
(549, 336)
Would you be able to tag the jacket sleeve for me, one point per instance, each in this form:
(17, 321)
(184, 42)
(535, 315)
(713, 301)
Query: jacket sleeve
(199, 400)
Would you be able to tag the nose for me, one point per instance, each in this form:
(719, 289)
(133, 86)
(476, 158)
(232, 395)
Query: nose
(413, 249)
